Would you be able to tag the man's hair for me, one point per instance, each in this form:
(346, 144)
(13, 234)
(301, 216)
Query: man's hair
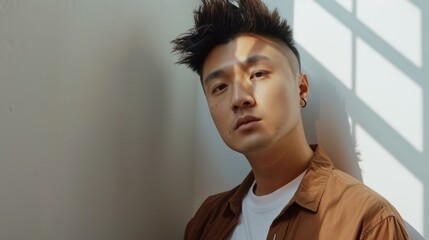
(220, 21)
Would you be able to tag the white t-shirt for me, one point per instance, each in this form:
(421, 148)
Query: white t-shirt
(258, 212)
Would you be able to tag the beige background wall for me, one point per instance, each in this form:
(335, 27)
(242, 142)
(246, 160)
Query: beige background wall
(96, 122)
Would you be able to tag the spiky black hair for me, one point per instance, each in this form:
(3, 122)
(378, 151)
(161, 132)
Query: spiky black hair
(220, 21)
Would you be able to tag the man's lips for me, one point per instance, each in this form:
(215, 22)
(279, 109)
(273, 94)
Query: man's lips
(244, 120)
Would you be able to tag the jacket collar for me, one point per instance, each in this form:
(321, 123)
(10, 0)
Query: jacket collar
(309, 192)
(313, 185)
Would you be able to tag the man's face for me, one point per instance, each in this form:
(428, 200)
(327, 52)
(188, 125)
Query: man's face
(253, 94)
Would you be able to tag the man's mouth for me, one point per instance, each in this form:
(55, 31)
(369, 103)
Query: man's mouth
(245, 120)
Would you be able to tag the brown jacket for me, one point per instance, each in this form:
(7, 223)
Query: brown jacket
(329, 204)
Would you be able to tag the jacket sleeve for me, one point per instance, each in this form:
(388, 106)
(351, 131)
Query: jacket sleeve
(389, 228)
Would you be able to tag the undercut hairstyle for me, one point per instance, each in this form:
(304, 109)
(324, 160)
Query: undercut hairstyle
(220, 21)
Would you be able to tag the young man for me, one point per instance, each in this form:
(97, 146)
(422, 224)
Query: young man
(250, 72)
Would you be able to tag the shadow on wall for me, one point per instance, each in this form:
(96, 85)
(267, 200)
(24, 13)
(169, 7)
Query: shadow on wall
(325, 121)
(150, 199)
(118, 197)
(141, 142)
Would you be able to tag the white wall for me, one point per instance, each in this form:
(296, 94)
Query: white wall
(367, 63)
(96, 122)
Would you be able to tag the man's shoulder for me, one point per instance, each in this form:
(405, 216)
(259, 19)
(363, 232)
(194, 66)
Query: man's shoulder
(213, 210)
(348, 184)
(360, 196)
(216, 202)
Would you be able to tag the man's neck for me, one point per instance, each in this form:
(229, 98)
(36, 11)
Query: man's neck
(279, 164)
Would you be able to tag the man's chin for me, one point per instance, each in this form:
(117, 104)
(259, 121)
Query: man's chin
(248, 147)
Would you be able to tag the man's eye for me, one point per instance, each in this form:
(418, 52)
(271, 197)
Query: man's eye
(258, 74)
(219, 88)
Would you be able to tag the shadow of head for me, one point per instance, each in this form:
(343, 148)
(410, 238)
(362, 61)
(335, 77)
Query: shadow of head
(326, 123)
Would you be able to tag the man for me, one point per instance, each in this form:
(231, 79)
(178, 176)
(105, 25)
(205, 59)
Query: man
(250, 73)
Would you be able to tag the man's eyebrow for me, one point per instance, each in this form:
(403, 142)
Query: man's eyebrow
(249, 61)
(213, 75)
(256, 58)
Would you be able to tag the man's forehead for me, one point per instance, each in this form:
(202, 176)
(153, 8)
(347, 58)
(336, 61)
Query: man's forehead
(246, 48)
(240, 49)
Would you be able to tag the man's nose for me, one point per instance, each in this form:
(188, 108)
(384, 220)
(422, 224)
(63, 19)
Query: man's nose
(243, 95)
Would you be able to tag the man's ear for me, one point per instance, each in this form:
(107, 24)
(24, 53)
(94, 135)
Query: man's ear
(304, 86)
